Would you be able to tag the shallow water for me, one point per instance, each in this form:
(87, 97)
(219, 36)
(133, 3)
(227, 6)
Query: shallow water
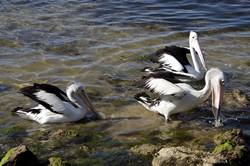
(104, 45)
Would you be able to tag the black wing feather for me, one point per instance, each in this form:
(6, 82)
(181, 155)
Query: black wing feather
(52, 89)
(30, 91)
(56, 91)
(178, 52)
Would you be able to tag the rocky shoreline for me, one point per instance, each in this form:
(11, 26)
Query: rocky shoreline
(176, 143)
(230, 149)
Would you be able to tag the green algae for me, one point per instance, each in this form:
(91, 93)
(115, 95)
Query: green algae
(9, 43)
(145, 149)
(232, 145)
(82, 151)
(227, 146)
(18, 156)
(143, 58)
(247, 62)
(178, 135)
(67, 49)
(65, 133)
(113, 157)
(149, 138)
(87, 139)
(56, 161)
(13, 129)
(201, 143)
(93, 91)
(6, 158)
(89, 161)
(120, 102)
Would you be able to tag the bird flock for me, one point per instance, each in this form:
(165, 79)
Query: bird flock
(165, 89)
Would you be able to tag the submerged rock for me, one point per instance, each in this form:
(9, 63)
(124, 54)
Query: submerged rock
(60, 133)
(145, 149)
(20, 155)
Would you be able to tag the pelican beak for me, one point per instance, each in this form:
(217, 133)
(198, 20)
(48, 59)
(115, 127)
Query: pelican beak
(88, 103)
(197, 48)
(217, 97)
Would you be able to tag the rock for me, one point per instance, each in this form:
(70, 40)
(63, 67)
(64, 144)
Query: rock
(230, 150)
(237, 97)
(231, 146)
(56, 161)
(234, 136)
(84, 148)
(20, 155)
(60, 133)
(179, 156)
(145, 149)
(70, 49)
(82, 151)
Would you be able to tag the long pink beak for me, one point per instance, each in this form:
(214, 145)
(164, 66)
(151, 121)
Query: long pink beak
(217, 97)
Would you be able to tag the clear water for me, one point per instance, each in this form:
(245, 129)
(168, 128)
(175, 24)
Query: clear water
(104, 45)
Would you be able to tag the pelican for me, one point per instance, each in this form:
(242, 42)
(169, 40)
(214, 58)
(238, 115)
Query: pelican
(180, 97)
(56, 106)
(174, 60)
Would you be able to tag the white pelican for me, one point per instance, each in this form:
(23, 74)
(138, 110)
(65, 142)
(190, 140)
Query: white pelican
(180, 97)
(55, 106)
(174, 60)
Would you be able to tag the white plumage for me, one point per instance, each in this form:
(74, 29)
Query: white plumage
(174, 59)
(55, 106)
(163, 87)
(171, 62)
(170, 101)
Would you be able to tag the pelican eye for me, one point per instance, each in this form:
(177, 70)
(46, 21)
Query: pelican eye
(222, 82)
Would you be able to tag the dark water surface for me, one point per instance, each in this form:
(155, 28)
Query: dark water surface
(104, 45)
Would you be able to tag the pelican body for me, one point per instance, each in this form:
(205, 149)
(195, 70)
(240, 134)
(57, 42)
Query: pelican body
(174, 59)
(56, 106)
(180, 97)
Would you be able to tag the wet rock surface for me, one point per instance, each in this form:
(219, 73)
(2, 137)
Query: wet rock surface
(232, 147)
(236, 98)
(179, 156)
(145, 149)
(65, 133)
(230, 150)
(20, 155)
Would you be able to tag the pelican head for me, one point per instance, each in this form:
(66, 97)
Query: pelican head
(76, 91)
(216, 78)
(194, 44)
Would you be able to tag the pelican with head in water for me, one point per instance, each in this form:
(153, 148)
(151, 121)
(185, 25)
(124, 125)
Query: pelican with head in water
(56, 106)
(180, 97)
(173, 59)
